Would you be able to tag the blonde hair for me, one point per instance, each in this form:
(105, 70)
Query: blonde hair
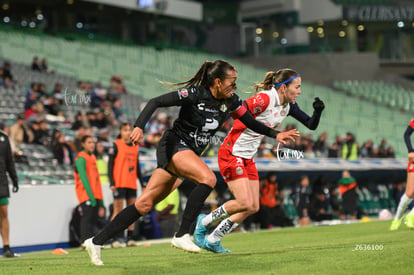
(271, 78)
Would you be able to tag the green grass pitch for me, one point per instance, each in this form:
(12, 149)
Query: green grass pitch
(361, 248)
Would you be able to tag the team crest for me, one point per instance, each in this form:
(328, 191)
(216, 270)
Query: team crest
(223, 108)
(239, 171)
(283, 112)
(183, 93)
(258, 110)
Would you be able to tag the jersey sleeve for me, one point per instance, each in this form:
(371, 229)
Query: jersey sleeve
(236, 106)
(310, 122)
(258, 103)
(175, 98)
(411, 124)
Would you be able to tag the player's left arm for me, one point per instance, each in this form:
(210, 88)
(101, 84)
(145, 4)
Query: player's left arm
(310, 122)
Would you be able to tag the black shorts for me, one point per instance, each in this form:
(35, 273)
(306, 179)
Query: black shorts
(301, 213)
(350, 202)
(167, 147)
(125, 193)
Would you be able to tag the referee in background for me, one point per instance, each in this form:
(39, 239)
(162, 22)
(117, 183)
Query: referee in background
(6, 165)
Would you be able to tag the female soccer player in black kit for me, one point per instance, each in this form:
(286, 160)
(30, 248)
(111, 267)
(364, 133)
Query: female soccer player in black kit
(206, 101)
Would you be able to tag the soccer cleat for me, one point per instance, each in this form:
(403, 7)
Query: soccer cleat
(8, 253)
(409, 220)
(395, 225)
(214, 247)
(94, 252)
(200, 231)
(185, 243)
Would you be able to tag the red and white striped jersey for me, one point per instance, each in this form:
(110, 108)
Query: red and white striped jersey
(265, 107)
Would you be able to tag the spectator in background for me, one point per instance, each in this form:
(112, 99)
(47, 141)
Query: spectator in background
(52, 105)
(42, 92)
(35, 64)
(334, 149)
(320, 147)
(124, 172)
(116, 108)
(88, 187)
(62, 151)
(35, 112)
(110, 118)
(350, 148)
(382, 148)
(77, 144)
(302, 200)
(7, 71)
(116, 85)
(102, 159)
(31, 96)
(271, 211)
(20, 133)
(390, 152)
(98, 97)
(91, 118)
(57, 93)
(319, 207)
(40, 132)
(167, 214)
(6, 167)
(100, 120)
(80, 121)
(335, 201)
(347, 187)
(367, 150)
(43, 66)
(17, 153)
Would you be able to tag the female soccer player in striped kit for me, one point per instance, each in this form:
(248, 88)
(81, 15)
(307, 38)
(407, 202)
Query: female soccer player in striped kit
(408, 195)
(271, 106)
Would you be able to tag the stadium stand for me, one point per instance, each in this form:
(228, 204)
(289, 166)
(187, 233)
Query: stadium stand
(361, 109)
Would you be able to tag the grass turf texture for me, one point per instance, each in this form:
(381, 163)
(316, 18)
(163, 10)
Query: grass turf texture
(362, 248)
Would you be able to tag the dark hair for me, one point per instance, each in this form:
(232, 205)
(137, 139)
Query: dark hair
(122, 126)
(85, 137)
(272, 78)
(207, 73)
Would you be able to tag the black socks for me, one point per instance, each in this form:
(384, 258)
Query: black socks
(121, 222)
(193, 207)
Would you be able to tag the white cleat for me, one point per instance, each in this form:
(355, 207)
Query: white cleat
(94, 252)
(185, 243)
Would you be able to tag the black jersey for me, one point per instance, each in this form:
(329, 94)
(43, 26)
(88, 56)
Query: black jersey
(201, 115)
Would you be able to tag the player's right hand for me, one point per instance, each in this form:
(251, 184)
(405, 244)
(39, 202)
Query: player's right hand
(136, 136)
(283, 137)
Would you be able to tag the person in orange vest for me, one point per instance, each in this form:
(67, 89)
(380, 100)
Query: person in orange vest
(271, 211)
(123, 171)
(88, 187)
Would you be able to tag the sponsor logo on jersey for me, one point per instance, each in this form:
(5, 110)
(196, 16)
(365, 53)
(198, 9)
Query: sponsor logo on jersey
(223, 108)
(183, 93)
(257, 110)
(239, 171)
